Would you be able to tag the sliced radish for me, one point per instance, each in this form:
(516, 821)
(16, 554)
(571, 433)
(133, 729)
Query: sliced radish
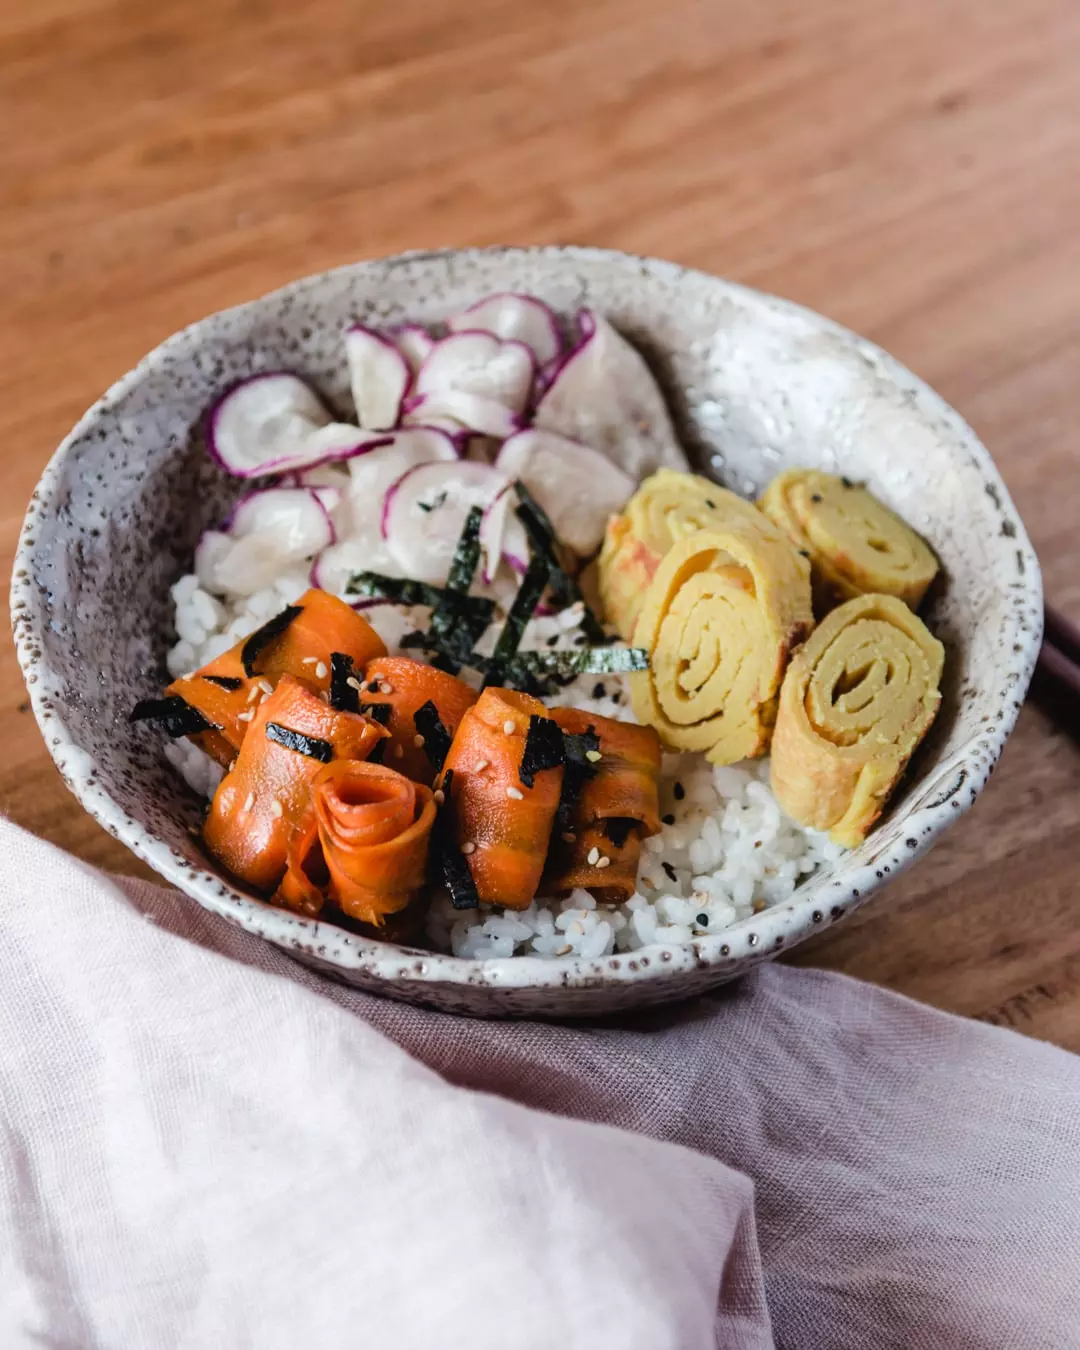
(481, 365)
(413, 342)
(521, 318)
(502, 536)
(604, 396)
(372, 473)
(425, 512)
(264, 425)
(339, 441)
(379, 375)
(578, 487)
(469, 412)
(269, 532)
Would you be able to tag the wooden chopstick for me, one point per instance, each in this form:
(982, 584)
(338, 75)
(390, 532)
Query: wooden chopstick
(1059, 658)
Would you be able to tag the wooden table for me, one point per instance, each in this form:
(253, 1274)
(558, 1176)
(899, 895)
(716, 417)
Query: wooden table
(910, 170)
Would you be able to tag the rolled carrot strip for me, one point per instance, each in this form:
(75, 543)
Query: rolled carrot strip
(300, 641)
(374, 828)
(613, 804)
(502, 822)
(266, 796)
(406, 687)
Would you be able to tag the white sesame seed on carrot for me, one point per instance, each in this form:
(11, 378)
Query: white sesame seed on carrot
(250, 801)
(385, 687)
(594, 855)
(309, 660)
(266, 686)
(481, 765)
(468, 848)
(440, 796)
(276, 809)
(603, 862)
(245, 716)
(321, 671)
(508, 727)
(593, 756)
(354, 683)
(514, 793)
(418, 741)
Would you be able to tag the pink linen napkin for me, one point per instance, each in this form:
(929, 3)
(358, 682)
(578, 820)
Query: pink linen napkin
(202, 1144)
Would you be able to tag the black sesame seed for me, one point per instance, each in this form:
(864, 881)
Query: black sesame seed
(847, 482)
(553, 641)
(680, 792)
(670, 871)
(669, 819)
(710, 504)
(815, 496)
(804, 552)
(580, 640)
(598, 690)
(702, 921)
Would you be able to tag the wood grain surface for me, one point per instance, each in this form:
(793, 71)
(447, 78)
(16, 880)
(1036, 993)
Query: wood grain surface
(910, 170)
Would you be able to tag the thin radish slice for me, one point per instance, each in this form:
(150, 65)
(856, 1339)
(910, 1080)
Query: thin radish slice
(329, 475)
(270, 531)
(335, 565)
(339, 441)
(379, 375)
(502, 536)
(371, 474)
(605, 396)
(481, 365)
(413, 342)
(510, 316)
(415, 416)
(425, 512)
(264, 424)
(471, 412)
(578, 487)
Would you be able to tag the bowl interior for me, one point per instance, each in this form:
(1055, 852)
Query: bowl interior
(756, 384)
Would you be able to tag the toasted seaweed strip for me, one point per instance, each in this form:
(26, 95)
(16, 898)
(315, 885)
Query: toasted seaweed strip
(531, 589)
(457, 620)
(345, 697)
(178, 717)
(437, 739)
(466, 557)
(578, 768)
(543, 749)
(449, 860)
(564, 588)
(228, 682)
(561, 665)
(399, 589)
(262, 637)
(312, 746)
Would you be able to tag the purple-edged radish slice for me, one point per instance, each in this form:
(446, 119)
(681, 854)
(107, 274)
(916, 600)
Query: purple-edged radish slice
(481, 365)
(425, 512)
(263, 424)
(502, 536)
(271, 531)
(520, 318)
(339, 441)
(373, 473)
(578, 487)
(413, 342)
(469, 412)
(379, 375)
(604, 396)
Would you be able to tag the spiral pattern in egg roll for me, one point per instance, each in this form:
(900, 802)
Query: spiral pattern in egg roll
(719, 620)
(855, 544)
(667, 507)
(856, 701)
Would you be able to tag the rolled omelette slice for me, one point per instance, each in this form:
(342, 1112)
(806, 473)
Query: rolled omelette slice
(667, 507)
(855, 544)
(719, 620)
(856, 701)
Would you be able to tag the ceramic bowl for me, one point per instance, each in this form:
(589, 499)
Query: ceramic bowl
(757, 384)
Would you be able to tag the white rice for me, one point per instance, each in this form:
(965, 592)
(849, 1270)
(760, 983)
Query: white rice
(729, 853)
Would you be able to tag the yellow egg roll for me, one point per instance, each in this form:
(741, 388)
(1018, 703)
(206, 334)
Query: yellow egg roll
(719, 620)
(855, 544)
(856, 701)
(667, 507)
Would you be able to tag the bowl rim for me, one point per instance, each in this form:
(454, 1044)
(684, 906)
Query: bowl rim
(954, 788)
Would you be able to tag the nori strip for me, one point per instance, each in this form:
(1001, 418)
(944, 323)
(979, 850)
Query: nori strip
(618, 828)
(176, 715)
(311, 746)
(455, 629)
(262, 637)
(399, 589)
(466, 557)
(531, 589)
(345, 697)
(378, 712)
(437, 739)
(564, 588)
(578, 768)
(450, 861)
(565, 666)
(229, 682)
(543, 749)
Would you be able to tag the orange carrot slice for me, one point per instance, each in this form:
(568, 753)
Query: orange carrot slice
(323, 625)
(374, 829)
(501, 824)
(266, 796)
(617, 807)
(406, 686)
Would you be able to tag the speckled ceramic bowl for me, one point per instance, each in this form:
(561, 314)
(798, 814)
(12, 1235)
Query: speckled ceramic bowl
(757, 384)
